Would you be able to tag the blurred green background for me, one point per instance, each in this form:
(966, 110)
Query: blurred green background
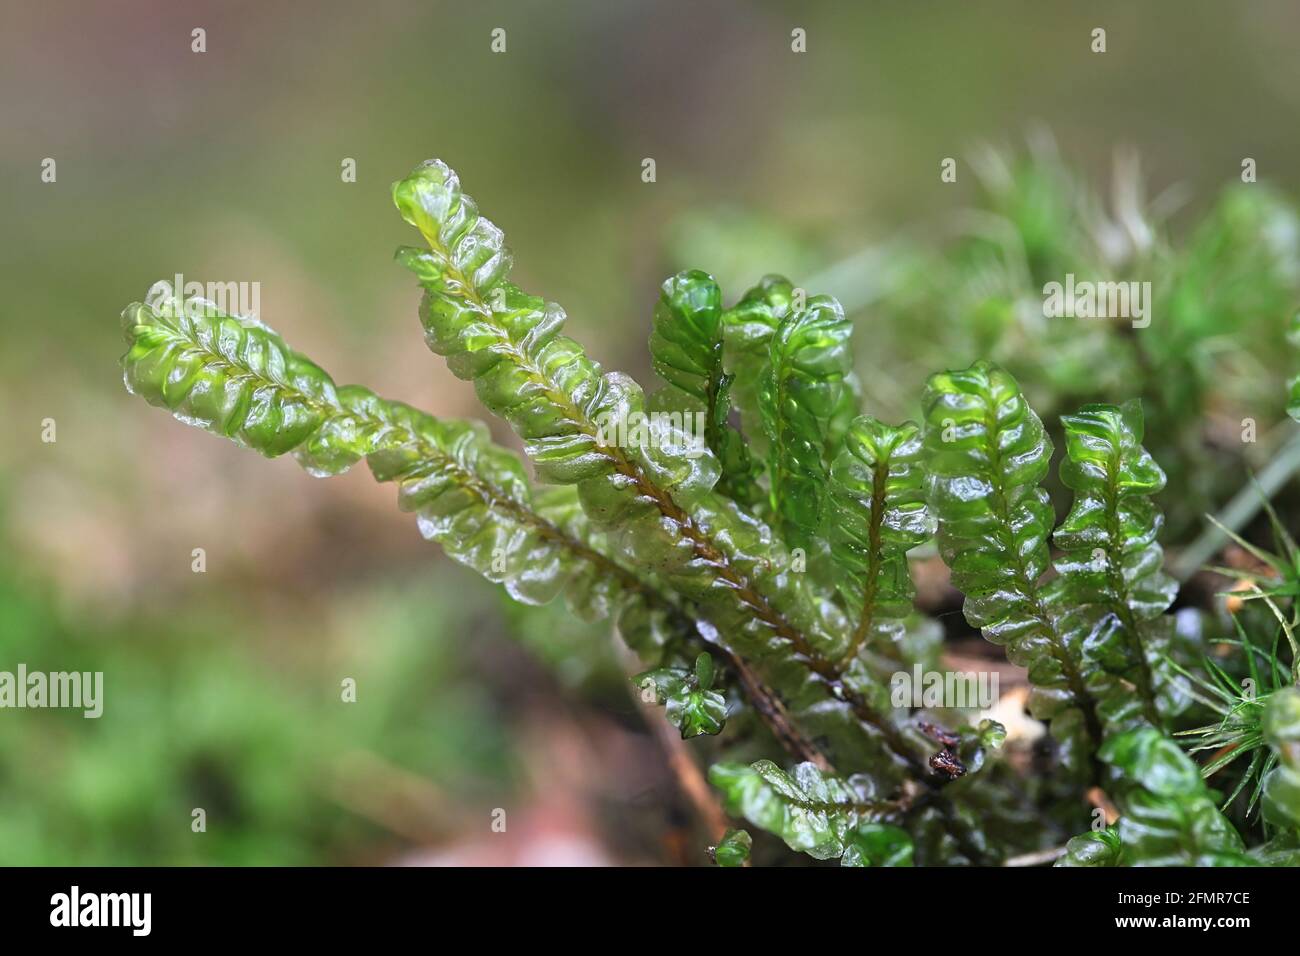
(222, 688)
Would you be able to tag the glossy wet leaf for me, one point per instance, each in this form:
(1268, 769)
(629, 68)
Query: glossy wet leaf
(781, 549)
(811, 811)
(804, 397)
(1167, 815)
(986, 454)
(688, 703)
(1096, 848)
(1111, 566)
(875, 513)
(734, 848)
(747, 330)
(235, 377)
(658, 507)
(877, 844)
(686, 347)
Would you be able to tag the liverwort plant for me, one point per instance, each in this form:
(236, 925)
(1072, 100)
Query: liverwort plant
(759, 564)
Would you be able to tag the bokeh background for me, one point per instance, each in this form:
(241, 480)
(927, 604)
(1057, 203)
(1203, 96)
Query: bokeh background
(222, 688)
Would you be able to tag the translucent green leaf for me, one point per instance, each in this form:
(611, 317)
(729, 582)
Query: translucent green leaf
(697, 712)
(875, 513)
(1111, 560)
(877, 844)
(656, 504)
(1167, 816)
(986, 452)
(803, 398)
(734, 848)
(974, 743)
(813, 812)
(991, 734)
(235, 377)
(229, 375)
(577, 423)
(747, 330)
(686, 348)
(689, 704)
(1096, 848)
(686, 342)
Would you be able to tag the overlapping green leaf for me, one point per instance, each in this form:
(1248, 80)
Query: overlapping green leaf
(986, 452)
(1167, 816)
(686, 348)
(734, 849)
(877, 844)
(680, 546)
(235, 377)
(1096, 848)
(1111, 569)
(686, 340)
(813, 812)
(658, 506)
(804, 397)
(747, 330)
(875, 512)
(690, 703)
